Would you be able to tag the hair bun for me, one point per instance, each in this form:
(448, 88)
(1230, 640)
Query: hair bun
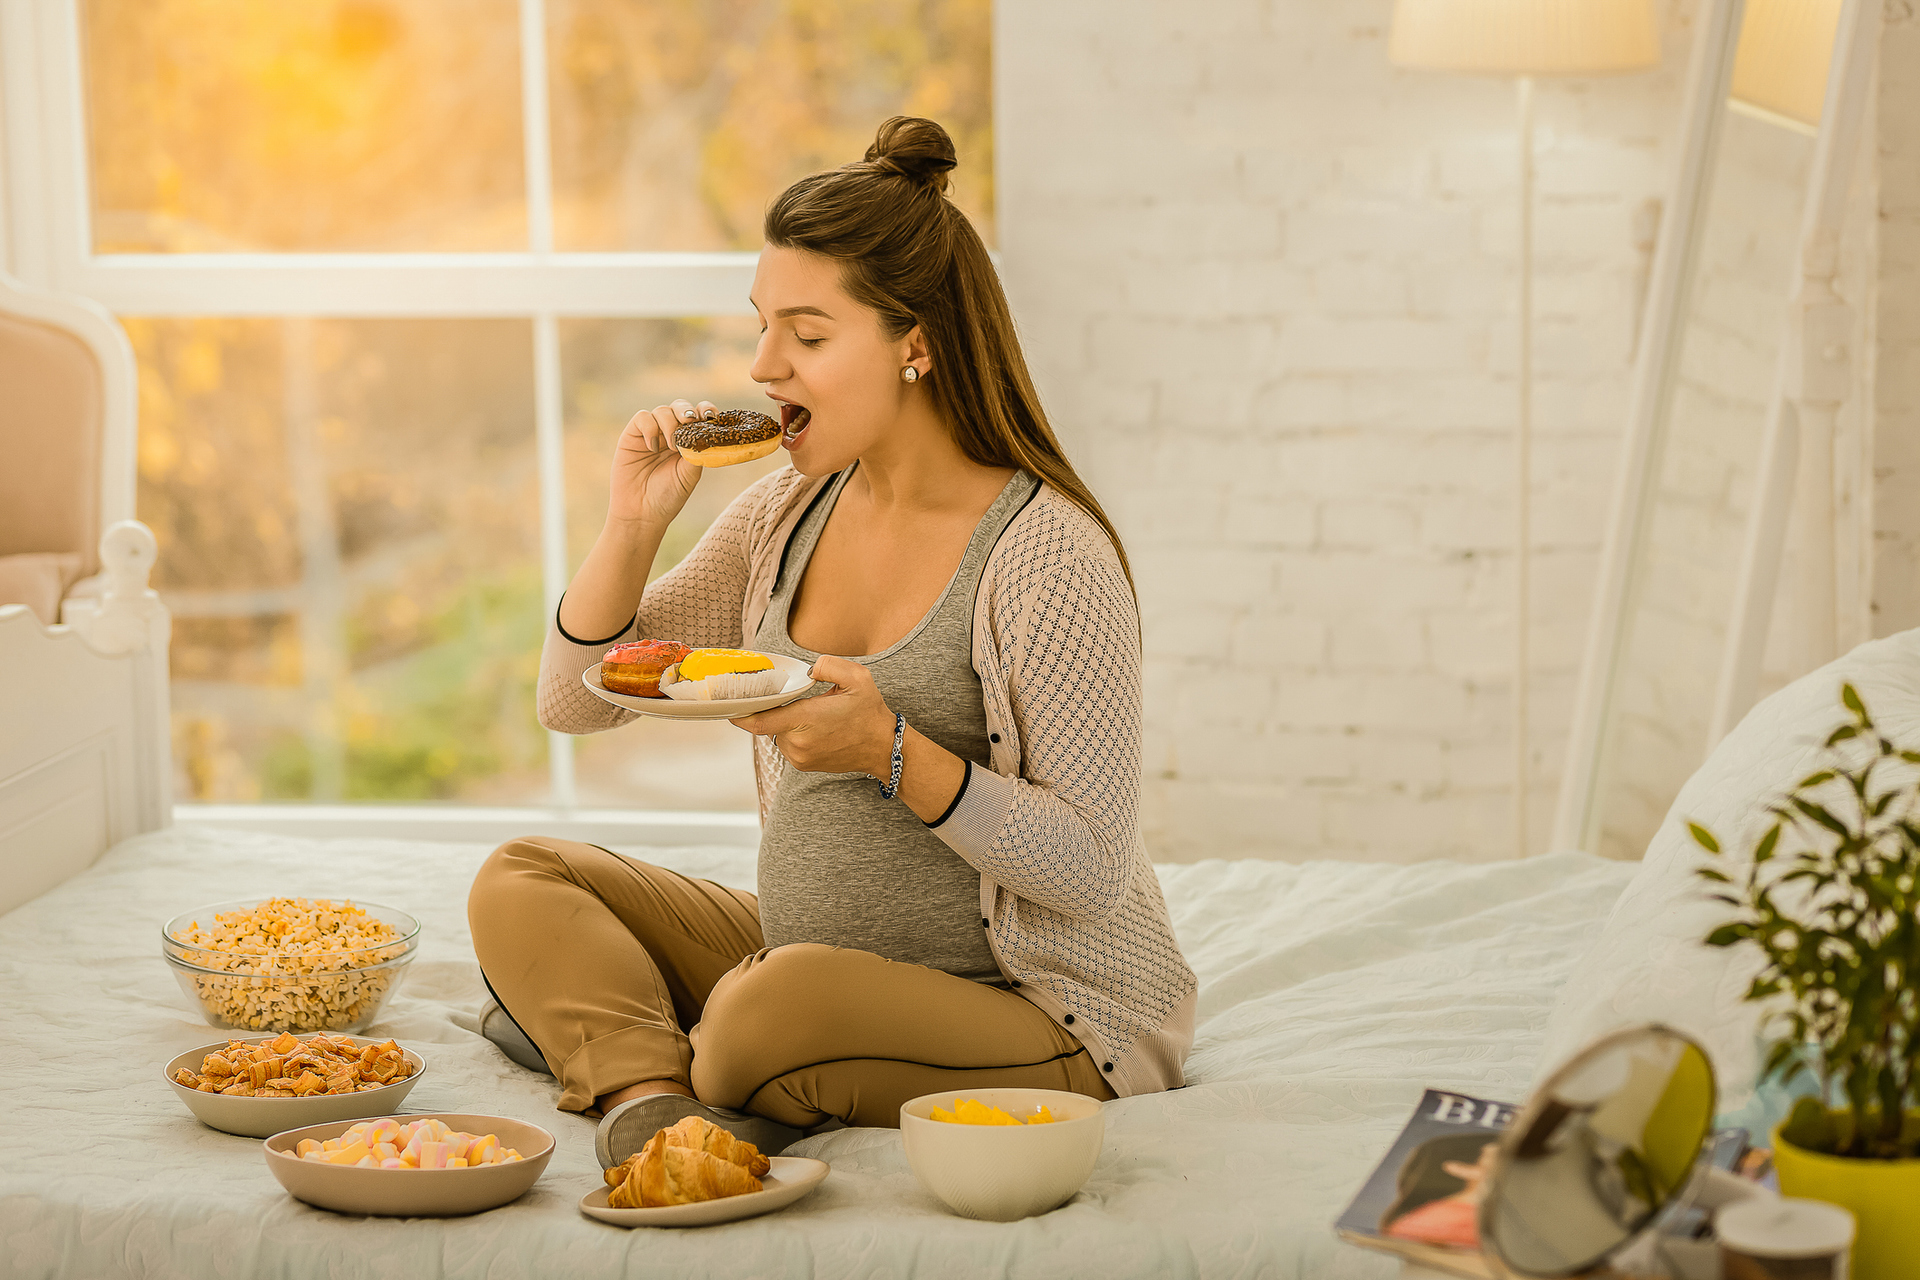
(914, 148)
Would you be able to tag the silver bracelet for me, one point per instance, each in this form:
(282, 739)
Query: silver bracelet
(891, 787)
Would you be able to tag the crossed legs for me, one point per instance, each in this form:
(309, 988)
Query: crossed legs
(631, 978)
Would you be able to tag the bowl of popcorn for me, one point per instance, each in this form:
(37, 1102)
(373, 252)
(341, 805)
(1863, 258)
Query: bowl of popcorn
(431, 1166)
(290, 964)
(267, 1084)
(1002, 1154)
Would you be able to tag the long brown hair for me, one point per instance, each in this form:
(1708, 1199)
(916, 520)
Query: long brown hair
(909, 254)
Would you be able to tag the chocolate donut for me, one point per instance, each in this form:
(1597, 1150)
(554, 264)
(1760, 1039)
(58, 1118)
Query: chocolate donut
(728, 437)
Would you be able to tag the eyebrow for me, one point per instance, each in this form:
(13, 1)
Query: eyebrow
(784, 312)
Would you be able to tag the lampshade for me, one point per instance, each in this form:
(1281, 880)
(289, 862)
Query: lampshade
(1525, 37)
(1781, 64)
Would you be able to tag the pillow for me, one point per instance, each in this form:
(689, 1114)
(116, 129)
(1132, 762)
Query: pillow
(38, 580)
(1648, 964)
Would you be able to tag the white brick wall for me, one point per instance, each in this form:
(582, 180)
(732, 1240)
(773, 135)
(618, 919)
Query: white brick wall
(1267, 284)
(1235, 225)
(1895, 567)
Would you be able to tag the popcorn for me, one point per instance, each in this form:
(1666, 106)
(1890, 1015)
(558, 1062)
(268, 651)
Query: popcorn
(291, 963)
(419, 1144)
(289, 1067)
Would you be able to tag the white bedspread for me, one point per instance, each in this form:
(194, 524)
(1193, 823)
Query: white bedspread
(1330, 995)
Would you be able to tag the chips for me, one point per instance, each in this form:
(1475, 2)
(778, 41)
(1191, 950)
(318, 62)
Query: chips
(294, 963)
(290, 1067)
(974, 1111)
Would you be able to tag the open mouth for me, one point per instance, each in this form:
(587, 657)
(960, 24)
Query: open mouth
(794, 419)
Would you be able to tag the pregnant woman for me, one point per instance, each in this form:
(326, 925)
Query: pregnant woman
(952, 890)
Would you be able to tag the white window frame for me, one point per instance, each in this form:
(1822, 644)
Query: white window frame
(46, 239)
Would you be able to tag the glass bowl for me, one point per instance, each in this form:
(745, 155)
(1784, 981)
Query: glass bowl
(286, 990)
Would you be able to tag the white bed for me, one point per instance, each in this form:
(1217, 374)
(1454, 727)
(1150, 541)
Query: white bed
(1330, 995)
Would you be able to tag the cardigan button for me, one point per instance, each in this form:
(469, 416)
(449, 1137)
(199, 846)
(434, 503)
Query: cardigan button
(1108, 1067)
(1016, 982)
(1069, 1019)
(993, 737)
(985, 923)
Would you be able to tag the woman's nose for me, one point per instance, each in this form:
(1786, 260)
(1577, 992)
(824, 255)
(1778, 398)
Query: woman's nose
(766, 367)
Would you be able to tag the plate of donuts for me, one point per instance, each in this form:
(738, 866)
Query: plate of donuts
(667, 679)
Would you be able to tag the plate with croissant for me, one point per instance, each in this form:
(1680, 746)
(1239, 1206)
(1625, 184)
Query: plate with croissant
(696, 1174)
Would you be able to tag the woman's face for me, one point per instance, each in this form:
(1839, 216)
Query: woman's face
(824, 358)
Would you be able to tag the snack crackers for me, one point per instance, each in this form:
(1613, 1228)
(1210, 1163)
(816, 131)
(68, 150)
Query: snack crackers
(290, 1067)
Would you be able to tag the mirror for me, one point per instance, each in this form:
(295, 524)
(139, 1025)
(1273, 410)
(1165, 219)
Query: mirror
(1752, 238)
(1598, 1151)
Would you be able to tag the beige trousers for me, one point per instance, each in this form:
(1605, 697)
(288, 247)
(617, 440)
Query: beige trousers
(620, 971)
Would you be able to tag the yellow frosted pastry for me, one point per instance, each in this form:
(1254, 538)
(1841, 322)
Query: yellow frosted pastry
(716, 675)
(702, 663)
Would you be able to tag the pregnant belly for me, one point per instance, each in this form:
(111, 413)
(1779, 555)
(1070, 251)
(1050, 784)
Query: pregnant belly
(841, 866)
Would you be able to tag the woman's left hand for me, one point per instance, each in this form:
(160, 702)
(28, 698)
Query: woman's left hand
(847, 730)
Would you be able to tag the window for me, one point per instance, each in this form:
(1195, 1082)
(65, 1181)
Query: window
(396, 273)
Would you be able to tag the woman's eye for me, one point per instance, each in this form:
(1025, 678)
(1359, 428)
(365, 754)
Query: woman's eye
(810, 342)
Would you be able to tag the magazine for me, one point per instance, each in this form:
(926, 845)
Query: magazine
(1422, 1201)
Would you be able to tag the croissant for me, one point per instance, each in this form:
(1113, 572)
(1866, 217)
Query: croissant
(661, 1175)
(701, 1135)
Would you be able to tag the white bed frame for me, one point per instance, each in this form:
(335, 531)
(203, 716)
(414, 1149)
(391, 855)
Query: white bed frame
(84, 753)
(84, 758)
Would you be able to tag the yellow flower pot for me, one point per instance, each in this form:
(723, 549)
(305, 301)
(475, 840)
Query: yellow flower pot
(1882, 1195)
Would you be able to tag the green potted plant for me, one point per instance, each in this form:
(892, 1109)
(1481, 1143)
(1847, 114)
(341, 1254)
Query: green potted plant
(1831, 900)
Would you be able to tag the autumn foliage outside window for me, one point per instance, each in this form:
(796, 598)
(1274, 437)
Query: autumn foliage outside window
(348, 508)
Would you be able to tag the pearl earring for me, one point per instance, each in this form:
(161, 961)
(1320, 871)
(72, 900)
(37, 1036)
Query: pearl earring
(909, 374)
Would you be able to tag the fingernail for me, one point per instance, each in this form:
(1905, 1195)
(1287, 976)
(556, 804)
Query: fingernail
(706, 413)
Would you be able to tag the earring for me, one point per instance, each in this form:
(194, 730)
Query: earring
(909, 374)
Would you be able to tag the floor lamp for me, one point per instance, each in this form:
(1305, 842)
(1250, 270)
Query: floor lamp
(1524, 39)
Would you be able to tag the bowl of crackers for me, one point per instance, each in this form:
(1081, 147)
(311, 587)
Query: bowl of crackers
(290, 964)
(263, 1085)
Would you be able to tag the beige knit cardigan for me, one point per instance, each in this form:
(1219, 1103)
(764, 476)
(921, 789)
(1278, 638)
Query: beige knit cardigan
(1072, 907)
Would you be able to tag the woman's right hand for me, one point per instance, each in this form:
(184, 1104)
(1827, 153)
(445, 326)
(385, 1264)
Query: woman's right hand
(651, 482)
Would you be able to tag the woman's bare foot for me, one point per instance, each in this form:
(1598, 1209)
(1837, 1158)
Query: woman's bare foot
(641, 1089)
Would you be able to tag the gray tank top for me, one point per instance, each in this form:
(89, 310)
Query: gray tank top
(838, 864)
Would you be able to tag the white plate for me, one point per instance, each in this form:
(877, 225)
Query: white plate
(790, 1178)
(798, 681)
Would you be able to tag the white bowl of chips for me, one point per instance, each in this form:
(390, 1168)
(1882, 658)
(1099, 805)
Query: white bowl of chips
(1015, 1166)
(261, 1115)
(290, 964)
